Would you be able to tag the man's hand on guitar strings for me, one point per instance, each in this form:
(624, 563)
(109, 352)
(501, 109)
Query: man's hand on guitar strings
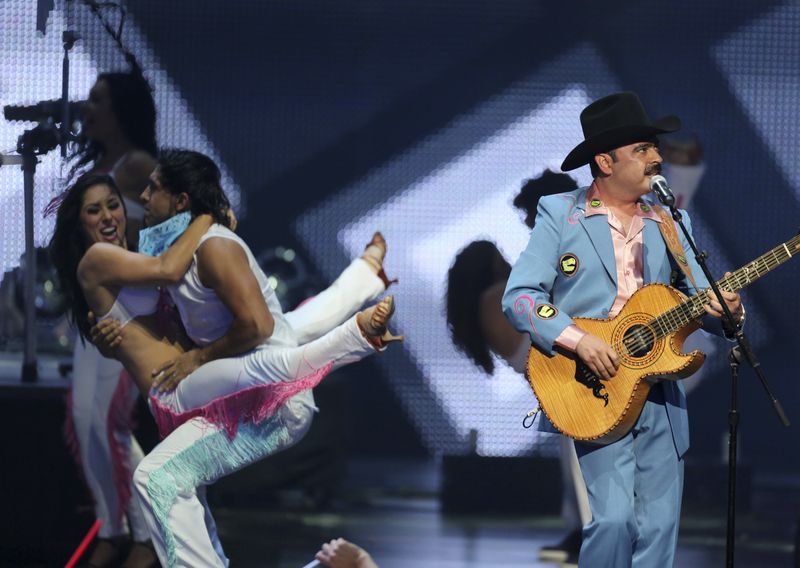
(598, 356)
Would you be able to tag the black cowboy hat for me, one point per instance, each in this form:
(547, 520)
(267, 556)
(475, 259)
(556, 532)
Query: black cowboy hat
(614, 121)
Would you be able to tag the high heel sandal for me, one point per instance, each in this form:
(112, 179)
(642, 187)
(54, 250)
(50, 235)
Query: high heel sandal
(141, 555)
(375, 328)
(108, 551)
(374, 253)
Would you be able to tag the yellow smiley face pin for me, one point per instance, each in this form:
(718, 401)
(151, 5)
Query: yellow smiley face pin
(569, 264)
(546, 311)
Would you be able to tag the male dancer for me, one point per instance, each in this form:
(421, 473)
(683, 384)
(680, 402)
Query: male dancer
(226, 307)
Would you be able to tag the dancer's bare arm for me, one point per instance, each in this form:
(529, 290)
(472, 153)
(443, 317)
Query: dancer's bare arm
(105, 264)
(223, 267)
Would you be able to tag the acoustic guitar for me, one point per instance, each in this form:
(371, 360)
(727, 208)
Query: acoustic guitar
(648, 335)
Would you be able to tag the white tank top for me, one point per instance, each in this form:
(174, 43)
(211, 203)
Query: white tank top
(206, 318)
(132, 303)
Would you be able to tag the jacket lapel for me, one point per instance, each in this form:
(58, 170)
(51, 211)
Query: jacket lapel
(599, 233)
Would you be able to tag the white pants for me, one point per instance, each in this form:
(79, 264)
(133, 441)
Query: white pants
(101, 407)
(97, 379)
(170, 481)
(354, 287)
(574, 499)
(343, 345)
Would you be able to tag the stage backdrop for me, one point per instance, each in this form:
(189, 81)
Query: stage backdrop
(422, 119)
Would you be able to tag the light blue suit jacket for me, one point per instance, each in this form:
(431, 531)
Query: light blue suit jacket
(540, 298)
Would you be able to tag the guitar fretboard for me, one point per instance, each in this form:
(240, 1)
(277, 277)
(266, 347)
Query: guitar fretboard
(679, 316)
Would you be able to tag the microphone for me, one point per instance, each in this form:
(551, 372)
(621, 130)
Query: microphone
(44, 110)
(659, 186)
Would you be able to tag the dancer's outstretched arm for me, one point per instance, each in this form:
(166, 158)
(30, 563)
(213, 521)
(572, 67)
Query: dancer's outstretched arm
(223, 267)
(105, 264)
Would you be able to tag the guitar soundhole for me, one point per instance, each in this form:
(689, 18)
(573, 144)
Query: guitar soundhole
(638, 340)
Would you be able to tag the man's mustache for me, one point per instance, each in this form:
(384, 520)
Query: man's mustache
(653, 170)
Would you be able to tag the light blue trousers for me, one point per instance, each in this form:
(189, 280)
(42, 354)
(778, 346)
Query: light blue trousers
(635, 487)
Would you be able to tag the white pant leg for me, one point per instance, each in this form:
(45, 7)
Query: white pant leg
(355, 286)
(136, 522)
(211, 525)
(344, 344)
(341, 346)
(95, 380)
(129, 454)
(196, 454)
(574, 501)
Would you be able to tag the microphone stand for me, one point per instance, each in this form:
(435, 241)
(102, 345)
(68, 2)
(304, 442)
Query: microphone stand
(734, 331)
(27, 158)
(734, 358)
(68, 38)
(30, 373)
(39, 141)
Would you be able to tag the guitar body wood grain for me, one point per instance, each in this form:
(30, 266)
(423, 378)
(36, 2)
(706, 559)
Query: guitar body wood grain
(585, 408)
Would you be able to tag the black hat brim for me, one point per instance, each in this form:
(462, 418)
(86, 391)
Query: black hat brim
(583, 153)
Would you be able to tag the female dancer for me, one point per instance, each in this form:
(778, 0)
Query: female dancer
(236, 393)
(475, 285)
(118, 138)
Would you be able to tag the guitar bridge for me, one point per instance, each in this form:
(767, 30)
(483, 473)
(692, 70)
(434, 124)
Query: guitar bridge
(585, 376)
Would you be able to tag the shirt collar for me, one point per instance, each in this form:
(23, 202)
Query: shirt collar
(595, 206)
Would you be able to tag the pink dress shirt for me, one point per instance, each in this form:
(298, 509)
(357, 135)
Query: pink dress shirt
(627, 253)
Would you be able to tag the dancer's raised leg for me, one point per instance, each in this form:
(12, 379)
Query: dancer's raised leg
(355, 339)
(358, 284)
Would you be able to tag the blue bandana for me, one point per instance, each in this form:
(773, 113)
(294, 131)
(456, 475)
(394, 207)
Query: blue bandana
(153, 241)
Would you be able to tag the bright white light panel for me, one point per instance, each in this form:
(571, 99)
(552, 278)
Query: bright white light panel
(455, 187)
(30, 71)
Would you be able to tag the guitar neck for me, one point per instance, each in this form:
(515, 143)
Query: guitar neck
(679, 316)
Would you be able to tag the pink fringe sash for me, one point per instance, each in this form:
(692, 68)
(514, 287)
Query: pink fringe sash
(120, 425)
(253, 404)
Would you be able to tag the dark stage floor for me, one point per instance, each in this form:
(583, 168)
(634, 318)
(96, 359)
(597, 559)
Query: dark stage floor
(402, 526)
(391, 507)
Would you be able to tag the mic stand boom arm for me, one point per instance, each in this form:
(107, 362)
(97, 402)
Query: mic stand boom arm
(736, 331)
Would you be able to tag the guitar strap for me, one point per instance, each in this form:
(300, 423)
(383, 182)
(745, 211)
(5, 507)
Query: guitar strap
(670, 234)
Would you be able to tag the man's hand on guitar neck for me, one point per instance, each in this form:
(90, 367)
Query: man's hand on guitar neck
(732, 299)
(598, 356)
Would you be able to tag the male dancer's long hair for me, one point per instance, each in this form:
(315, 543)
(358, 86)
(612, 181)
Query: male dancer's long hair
(474, 270)
(68, 245)
(193, 173)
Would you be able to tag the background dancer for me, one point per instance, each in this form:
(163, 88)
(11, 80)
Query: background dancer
(118, 138)
(475, 284)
